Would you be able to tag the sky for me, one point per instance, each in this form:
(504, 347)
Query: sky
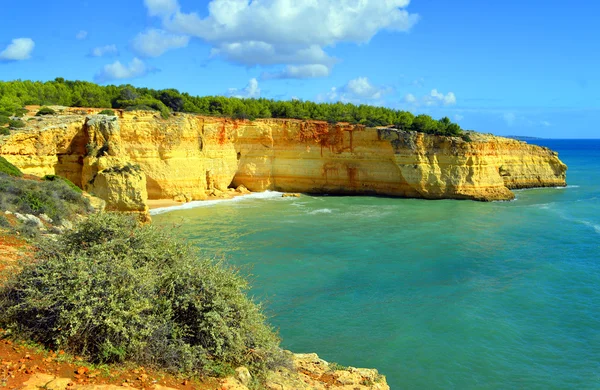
(510, 67)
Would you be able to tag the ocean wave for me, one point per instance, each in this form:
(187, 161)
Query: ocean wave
(594, 226)
(205, 203)
(321, 211)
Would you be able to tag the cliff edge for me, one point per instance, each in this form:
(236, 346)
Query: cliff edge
(191, 157)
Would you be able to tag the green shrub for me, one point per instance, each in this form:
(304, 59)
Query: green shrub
(57, 199)
(28, 229)
(107, 112)
(4, 131)
(4, 223)
(4, 120)
(112, 290)
(16, 124)
(8, 168)
(64, 180)
(45, 111)
(20, 112)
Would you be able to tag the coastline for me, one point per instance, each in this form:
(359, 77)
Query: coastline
(161, 206)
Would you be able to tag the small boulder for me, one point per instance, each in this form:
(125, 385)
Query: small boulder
(242, 189)
(46, 218)
(243, 375)
(290, 195)
(30, 220)
(66, 225)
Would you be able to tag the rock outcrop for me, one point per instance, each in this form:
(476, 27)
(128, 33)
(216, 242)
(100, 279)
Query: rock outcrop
(309, 372)
(191, 157)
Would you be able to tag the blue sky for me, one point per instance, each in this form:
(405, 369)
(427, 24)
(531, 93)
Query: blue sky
(505, 67)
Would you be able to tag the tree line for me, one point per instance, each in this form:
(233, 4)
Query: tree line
(16, 94)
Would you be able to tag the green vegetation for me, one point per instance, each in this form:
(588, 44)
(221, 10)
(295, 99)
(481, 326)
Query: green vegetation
(16, 94)
(4, 131)
(57, 199)
(4, 223)
(45, 111)
(16, 124)
(107, 112)
(9, 169)
(64, 180)
(113, 291)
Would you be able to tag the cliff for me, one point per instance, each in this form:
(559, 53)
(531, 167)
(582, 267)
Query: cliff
(190, 157)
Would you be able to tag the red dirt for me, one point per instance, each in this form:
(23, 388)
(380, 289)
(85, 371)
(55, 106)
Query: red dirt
(19, 362)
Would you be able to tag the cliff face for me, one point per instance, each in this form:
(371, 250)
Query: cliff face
(191, 157)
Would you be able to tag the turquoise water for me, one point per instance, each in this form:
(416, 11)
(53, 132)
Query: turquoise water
(435, 294)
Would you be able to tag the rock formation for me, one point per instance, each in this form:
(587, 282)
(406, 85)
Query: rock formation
(190, 157)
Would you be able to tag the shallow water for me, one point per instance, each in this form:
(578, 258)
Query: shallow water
(435, 294)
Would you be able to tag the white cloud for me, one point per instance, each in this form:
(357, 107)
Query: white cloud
(81, 35)
(459, 117)
(357, 90)
(410, 98)
(434, 98)
(509, 118)
(420, 82)
(546, 123)
(154, 42)
(251, 90)
(118, 71)
(108, 50)
(19, 49)
(161, 7)
(299, 72)
(269, 32)
(362, 88)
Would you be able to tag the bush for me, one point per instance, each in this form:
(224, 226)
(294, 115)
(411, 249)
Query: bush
(4, 223)
(28, 229)
(111, 290)
(16, 124)
(4, 131)
(8, 168)
(20, 112)
(107, 112)
(4, 120)
(64, 180)
(54, 198)
(45, 111)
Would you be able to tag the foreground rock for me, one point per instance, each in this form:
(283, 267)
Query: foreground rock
(311, 372)
(190, 157)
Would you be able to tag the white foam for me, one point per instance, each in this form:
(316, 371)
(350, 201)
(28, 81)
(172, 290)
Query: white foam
(321, 211)
(205, 203)
(545, 188)
(594, 226)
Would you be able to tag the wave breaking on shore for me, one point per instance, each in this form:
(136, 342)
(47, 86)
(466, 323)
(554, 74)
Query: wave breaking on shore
(205, 203)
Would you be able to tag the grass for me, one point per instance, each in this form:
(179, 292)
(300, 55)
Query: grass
(57, 199)
(9, 169)
(64, 180)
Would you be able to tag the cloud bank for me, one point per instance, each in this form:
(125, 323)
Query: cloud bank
(283, 32)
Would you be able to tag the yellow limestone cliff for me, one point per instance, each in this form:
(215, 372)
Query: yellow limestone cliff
(191, 157)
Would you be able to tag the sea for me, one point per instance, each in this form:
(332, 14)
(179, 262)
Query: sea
(434, 294)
